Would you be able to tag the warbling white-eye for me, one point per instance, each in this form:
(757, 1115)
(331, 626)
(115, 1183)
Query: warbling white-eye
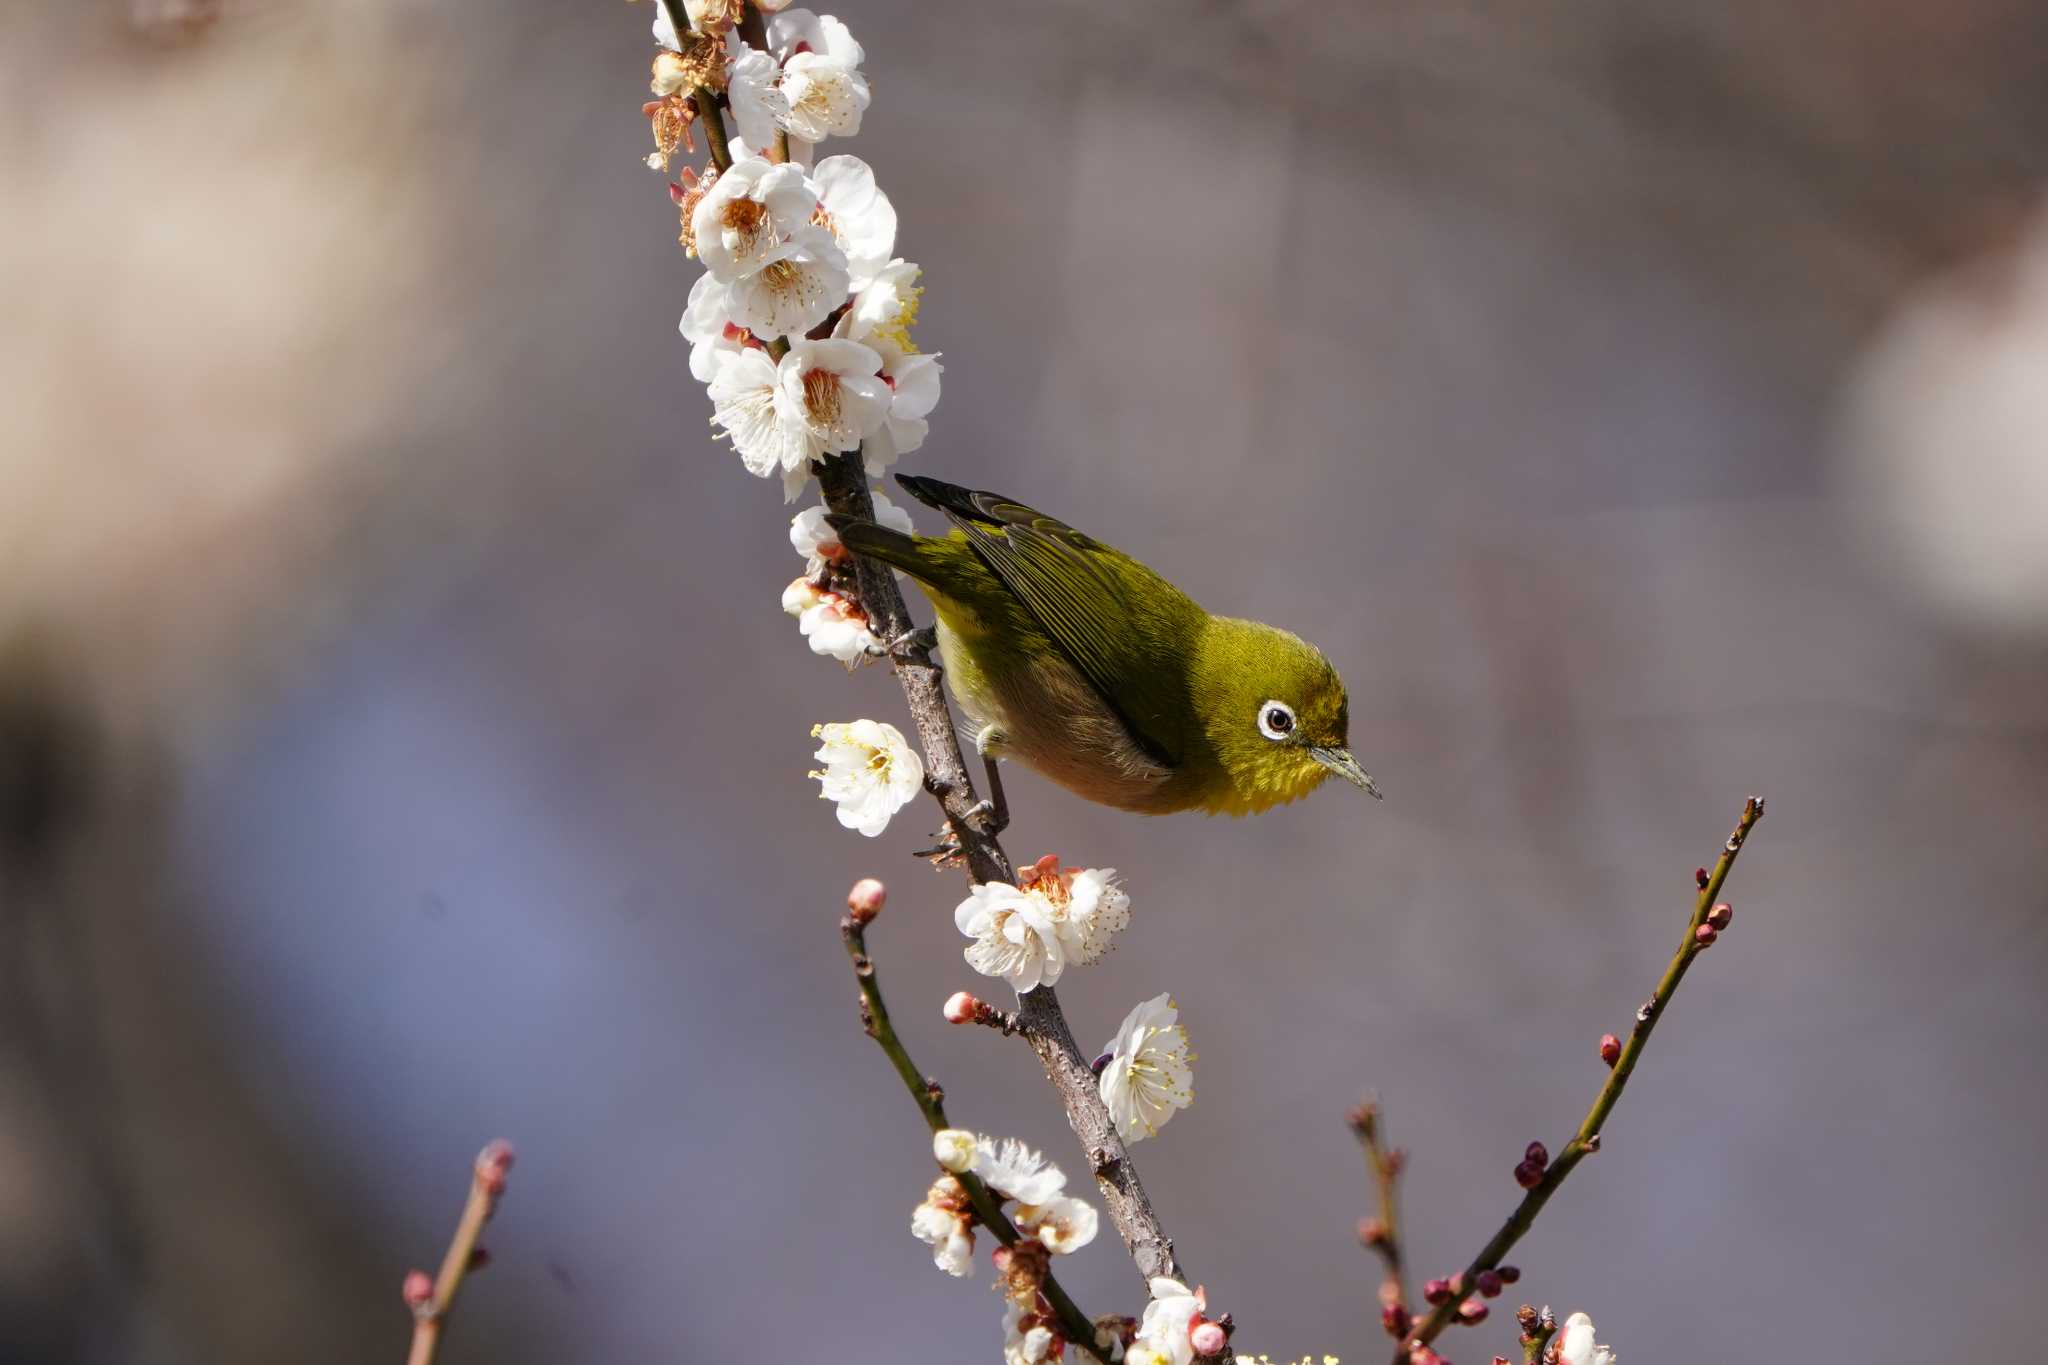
(1083, 664)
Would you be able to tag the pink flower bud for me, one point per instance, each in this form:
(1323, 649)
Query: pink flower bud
(1536, 1152)
(1510, 1273)
(1720, 915)
(1488, 1283)
(1437, 1291)
(1208, 1339)
(1706, 934)
(1372, 1232)
(960, 1008)
(1528, 1175)
(418, 1289)
(1472, 1310)
(864, 902)
(1396, 1319)
(1610, 1048)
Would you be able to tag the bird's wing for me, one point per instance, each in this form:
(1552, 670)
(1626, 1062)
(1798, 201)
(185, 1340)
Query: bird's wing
(1127, 629)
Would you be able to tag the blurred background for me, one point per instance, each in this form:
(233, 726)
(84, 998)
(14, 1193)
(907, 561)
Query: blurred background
(401, 746)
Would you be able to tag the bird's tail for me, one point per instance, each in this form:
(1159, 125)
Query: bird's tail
(885, 543)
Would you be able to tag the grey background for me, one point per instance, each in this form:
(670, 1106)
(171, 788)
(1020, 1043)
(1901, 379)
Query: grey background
(403, 746)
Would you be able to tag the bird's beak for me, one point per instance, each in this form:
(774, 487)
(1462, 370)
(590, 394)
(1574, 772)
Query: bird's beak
(1340, 762)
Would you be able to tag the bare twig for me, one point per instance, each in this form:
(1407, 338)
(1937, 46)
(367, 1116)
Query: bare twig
(1698, 934)
(843, 479)
(931, 1100)
(432, 1301)
(1383, 1231)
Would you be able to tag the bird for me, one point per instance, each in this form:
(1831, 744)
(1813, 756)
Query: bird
(1094, 671)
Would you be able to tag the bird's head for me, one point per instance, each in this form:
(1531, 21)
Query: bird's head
(1276, 716)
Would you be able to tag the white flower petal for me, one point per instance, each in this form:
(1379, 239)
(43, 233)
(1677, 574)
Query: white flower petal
(1150, 1073)
(870, 771)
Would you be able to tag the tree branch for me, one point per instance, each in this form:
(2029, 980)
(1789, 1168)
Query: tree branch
(432, 1301)
(843, 479)
(1698, 935)
(1383, 1232)
(931, 1099)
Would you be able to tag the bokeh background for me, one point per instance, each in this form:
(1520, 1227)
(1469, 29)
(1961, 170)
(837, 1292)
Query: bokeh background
(400, 744)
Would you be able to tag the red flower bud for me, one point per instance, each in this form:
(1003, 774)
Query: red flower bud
(418, 1290)
(1510, 1273)
(1720, 915)
(1488, 1283)
(1706, 934)
(1700, 878)
(1537, 1153)
(1437, 1291)
(1208, 1339)
(1472, 1310)
(1528, 1175)
(864, 902)
(1396, 1319)
(1610, 1048)
(960, 1008)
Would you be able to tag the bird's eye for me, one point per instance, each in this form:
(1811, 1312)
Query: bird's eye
(1276, 719)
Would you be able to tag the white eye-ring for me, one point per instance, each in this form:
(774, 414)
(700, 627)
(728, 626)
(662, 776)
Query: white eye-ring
(1276, 719)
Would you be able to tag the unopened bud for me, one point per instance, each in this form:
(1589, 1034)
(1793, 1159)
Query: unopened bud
(1610, 1048)
(1537, 1153)
(1706, 934)
(479, 1257)
(1372, 1232)
(1700, 878)
(1720, 915)
(1528, 1175)
(1208, 1339)
(1488, 1283)
(960, 1008)
(418, 1290)
(1472, 1310)
(954, 1148)
(1437, 1291)
(1396, 1319)
(1509, 1273)
(491, 1165)
(864, 902)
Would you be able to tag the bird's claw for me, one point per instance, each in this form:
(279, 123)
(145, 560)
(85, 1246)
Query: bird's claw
(922, 640)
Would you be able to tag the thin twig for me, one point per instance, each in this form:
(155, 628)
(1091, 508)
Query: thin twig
(843, 478)
(431, 1304)
(1587, 1140)
(931, 1100)
(1383, 1233)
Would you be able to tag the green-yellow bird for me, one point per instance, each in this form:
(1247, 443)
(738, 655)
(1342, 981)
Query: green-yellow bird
(1083, 664)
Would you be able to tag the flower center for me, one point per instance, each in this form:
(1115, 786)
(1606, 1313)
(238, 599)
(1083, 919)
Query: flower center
(821, 395)
(745, 219)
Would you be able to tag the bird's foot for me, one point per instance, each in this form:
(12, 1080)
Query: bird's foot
(991, 816)
(946, 853)
(912, 643)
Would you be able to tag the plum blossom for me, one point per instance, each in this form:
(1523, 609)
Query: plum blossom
(821, 76)
(1014, 936)
(810, 537)
(822, 396)
(1149, 1074)
(944, 1221)
(954, 1149)
(1017, 1172)
(797, 286)
(1062, 1224)
(859, 216)
(753, 87)
(708, 326)
(1576, 1345)
(1170, 1319)
(749, 212)
(870, 772)
(833, 624)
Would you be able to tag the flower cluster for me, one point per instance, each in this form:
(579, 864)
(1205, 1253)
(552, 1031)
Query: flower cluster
(1175, 1328)
(1052, 1222)
(1053, 917)
(870, 771)
(800, 325)
(827, 610)
(1147, 1070)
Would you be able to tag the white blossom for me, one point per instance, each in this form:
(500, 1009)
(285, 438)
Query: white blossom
(870, 771)
(1097, 911)
(887, 304)
(913, 380)
(823, 396)
(1062, 1224)
(708, 326)
(801, 595)
(1012, 1169)
(857, 213)
(954, 1149)
(821, 76)
(796, 288)
(1169, 1319)
(941, 1222)
(1014, 936)
(810, 537)
(837, 628)
(751, 210)
(1024, 1345)
(1576, 1345)
(1149, 1074)
(754, 90)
